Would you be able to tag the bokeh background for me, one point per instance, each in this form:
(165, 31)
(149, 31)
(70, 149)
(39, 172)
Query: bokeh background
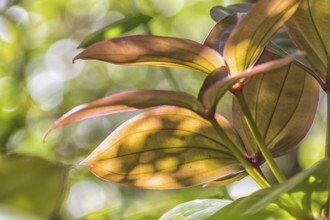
(39, 83)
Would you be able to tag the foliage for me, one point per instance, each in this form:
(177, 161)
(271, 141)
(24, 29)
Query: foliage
(184, 140)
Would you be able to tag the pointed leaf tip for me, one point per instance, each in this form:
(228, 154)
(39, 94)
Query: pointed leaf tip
(127, 101)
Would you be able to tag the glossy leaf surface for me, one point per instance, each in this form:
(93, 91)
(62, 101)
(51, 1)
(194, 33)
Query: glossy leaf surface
(115, 29)
(154, 50)
(196, 209)
(254, 31)
(283, 103)
(211, 96)
(309, 28)
(127, 101)
(30, 184)
(165, 148)
(302, 196)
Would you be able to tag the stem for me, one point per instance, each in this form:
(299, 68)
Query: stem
(250, 169)
(258, 138)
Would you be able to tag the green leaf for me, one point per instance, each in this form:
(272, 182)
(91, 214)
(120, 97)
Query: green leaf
(154, 50)
(165, 148)
(283, 103)
(127, 101)
(116, 29)
(256, 29)
(211, 93)
(285, 199)
(30, 185)
(309, 29)
(196, 209)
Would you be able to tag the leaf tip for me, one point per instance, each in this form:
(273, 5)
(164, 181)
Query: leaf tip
(48, 132)
(77, 57)
(86, 162)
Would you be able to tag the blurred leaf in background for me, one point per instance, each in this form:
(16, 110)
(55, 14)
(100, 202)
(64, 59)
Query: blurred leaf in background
(29, 183)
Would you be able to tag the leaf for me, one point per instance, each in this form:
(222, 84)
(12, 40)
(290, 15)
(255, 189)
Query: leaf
(223, 181)
(127, 101)
(30, 185)
(283, 103)
(219, 34)
(309, 183)
(196, 209)
(210, 96)
(283, 47)
(165, 148)
(254, 31)
(154, 50)
(115, 29)
(309, 29)
(219, 12)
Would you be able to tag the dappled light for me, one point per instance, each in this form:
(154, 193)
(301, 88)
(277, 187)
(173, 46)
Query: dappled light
(170, 146)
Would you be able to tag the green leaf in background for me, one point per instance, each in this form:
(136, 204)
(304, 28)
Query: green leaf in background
(256, 29)
(301, 197)
(165, 148)
(30, 185)
(283, 103)
(154, 50)
(309, 29)
(115, 29)
(197, 209)
(127, 101)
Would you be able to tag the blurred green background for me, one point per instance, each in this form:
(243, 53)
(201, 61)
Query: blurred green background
(39, 83)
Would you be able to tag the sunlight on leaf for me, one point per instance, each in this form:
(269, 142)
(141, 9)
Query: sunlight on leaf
(117, 28)
(127, 101)
(309, 28)
(154, 50)
(196, 209)
(283, 103)
(256, 29)
(165, 148)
